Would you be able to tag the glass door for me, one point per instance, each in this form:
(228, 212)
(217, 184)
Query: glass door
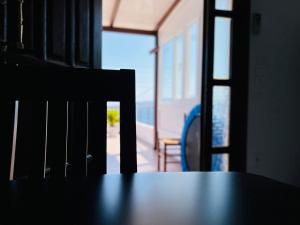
(224, 86)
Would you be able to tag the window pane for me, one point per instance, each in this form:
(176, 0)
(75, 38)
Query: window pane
(221, 116)
(179, 67)
(193, 61)
(222, 48)
(167, 71)
(224, 5)
(220, 162)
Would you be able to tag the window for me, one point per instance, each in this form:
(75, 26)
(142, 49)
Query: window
(220, 162)
(193, 60)
(167, 71)
(222, 48)
(224, 5)
(221, 116)
(173, 82)
(179, 67)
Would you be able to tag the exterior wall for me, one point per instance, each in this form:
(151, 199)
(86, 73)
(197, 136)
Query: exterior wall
(145, 134)
(171, 112)
(274, 109)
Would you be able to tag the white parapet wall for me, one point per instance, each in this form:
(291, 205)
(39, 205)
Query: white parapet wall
(145, 134)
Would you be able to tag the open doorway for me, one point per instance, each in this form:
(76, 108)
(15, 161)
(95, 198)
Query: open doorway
(162, 42)
(133, 51)
(169, 77)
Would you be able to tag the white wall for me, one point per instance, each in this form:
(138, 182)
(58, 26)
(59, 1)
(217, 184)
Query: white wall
(274, 104)
(171, 113)
(145, 134)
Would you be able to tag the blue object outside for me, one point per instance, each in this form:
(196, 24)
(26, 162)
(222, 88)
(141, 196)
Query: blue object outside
(217, 159)
(195, 112)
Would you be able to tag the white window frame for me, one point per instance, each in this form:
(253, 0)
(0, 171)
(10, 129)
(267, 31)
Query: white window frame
(188, 67)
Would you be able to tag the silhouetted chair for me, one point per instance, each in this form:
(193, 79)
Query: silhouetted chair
(61, 119)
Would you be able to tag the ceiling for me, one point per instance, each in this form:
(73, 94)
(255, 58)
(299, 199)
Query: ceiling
(136, 15)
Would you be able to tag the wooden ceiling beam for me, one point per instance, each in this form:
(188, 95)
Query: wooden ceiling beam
(166, 15)
(130, 31)
(115, 12)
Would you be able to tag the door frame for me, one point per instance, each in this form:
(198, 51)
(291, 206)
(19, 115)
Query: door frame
(238, 82)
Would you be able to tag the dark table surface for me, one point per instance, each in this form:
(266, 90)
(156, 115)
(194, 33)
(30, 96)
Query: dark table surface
(154, 199)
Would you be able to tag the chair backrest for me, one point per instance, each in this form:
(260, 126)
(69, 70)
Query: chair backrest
(61, 117)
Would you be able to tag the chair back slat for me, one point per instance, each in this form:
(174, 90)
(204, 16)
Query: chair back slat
(62, 120)
(97, 114)
(77, 134)
(128, 132)
(25, 138)
(7, 111)
(30, 141)
(37, 147)
(56, 138)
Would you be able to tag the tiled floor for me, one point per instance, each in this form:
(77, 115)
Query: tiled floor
(146, 157)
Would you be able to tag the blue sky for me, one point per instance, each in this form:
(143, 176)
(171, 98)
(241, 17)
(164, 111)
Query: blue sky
(130, 51)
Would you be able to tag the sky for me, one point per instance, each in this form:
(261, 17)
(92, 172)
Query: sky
(131, 51)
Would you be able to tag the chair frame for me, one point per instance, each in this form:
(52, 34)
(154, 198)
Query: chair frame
(65, 112)
(166, 142)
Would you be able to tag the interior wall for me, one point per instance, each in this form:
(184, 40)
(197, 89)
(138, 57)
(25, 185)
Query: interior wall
(171, 113)
(274, 105)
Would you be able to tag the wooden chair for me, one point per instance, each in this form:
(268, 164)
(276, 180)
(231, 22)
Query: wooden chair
(61, 118)
(168, 142)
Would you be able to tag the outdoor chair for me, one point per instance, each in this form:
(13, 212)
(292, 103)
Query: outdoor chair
(171, 148)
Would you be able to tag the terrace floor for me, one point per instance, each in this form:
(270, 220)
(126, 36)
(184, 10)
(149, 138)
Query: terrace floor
(146, 157)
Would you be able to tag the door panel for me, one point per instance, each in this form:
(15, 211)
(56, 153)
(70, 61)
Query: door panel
(3, 12)
(51, 33)
(2, 21)
(56, 28)
(224, 90)
(28, 23)
(82, 29)
(55, 32)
